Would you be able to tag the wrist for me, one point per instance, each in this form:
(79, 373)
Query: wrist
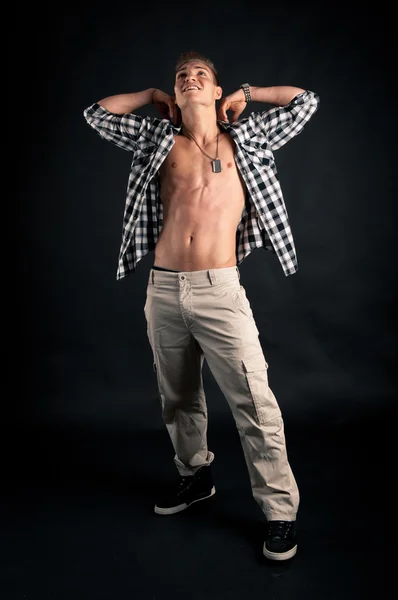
(151, 93)
(253, 90)
(245, 87)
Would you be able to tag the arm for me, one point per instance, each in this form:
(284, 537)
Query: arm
(113, 117)
(127, 103)
(294, 107)
(279, 95)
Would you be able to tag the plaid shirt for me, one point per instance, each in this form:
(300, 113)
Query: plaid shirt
(264, 222)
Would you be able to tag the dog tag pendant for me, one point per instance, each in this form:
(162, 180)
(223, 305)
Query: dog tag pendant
(216, 165)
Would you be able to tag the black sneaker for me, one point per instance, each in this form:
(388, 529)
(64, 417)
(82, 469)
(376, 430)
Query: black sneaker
(280, 540)
(189, 489)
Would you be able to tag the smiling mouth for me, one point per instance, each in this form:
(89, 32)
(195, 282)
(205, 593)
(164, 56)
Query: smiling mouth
(191, 89)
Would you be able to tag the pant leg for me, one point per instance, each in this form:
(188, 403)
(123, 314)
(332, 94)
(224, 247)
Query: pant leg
(178, 361)
(225, 329)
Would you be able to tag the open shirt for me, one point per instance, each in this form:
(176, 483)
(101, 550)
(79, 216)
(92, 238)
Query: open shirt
(264, 221)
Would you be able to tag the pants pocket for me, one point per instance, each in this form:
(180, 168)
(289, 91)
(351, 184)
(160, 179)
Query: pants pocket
(241, 302)
(266, 406)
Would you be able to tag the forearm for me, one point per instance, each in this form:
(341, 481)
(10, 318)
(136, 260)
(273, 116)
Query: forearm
(279, 95)
(127, 103)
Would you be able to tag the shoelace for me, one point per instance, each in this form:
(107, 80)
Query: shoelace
(279, 528)
(185, 483)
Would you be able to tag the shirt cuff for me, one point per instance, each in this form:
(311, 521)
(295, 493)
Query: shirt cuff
(303, 98)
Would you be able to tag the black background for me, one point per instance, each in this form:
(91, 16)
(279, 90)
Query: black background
(81, 401)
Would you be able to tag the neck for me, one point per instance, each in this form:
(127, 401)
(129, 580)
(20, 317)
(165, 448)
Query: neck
(201, 122)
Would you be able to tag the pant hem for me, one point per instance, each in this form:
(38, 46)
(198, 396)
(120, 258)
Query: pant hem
(280, 517)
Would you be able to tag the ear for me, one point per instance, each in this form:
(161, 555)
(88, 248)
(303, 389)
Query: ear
(218, 92)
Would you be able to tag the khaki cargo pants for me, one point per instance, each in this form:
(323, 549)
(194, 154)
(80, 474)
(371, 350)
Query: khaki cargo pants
(197, 315)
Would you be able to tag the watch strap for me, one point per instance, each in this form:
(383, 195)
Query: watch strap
(245, 87)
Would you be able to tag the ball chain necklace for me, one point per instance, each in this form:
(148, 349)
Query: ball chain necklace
(215, 162)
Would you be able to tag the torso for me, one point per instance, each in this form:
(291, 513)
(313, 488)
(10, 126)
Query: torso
(201, 209)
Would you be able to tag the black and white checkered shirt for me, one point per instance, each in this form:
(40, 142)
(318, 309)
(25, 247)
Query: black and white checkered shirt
(264, 222)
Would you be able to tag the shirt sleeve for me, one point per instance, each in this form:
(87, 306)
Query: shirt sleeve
(282, 123)
(122, 130)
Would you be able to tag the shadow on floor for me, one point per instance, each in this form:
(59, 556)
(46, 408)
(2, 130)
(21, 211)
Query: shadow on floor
(78, 520)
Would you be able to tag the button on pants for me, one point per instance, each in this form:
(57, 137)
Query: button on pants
(197, 315)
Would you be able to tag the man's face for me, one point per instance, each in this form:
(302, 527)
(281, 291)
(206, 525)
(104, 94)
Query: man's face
(194, 83)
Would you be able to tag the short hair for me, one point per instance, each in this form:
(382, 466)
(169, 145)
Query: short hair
(192, 55)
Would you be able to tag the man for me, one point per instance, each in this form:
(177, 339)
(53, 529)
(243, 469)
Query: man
(203, 193)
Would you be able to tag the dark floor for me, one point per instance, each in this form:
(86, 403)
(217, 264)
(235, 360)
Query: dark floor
(78, 520)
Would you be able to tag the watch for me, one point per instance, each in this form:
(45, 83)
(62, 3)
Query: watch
(245, 87)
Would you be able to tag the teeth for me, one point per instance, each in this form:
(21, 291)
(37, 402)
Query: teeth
(191, 87)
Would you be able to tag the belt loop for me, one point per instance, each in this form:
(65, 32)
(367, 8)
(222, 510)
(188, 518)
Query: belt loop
(212, 276)
(153, 276)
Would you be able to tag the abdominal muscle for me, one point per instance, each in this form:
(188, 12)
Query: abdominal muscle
(201, 209)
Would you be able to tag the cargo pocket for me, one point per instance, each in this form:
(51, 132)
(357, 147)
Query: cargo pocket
(256, 370)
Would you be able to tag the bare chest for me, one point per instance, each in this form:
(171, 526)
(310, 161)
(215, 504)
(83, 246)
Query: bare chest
(189, 168)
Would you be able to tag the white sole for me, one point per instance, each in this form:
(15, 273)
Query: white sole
(279, 555)
(180, 507)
